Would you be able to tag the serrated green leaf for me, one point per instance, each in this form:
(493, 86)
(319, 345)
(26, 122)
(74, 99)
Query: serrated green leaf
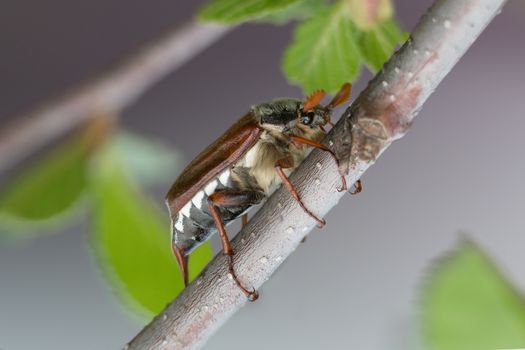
(237, 11)
(378, 43)
(146, 160)
(297, 11)
(468, 305)
(324, 53)
(48, 187)
(132, 241)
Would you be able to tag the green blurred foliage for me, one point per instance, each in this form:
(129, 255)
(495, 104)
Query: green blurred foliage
(299, 10)
(131, 236)
(237, 11)
(148, 161)
(378, 43)
(132, 241)
(47, 193)
(324, 53)
(331, 44)
(48, 187)
(468, 305)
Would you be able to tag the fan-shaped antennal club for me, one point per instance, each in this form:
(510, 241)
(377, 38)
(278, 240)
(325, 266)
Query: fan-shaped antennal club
(313, 100)
(342, 96)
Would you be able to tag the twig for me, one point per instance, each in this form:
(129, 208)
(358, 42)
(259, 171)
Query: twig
(114, 90)
(382, 113)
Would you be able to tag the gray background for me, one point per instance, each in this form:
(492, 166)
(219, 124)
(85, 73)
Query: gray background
(352, 285)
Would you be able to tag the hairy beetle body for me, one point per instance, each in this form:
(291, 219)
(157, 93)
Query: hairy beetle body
(242, 168)
(255, 171)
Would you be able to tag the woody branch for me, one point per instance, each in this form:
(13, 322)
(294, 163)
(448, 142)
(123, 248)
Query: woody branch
(108, 94)
(381, 114)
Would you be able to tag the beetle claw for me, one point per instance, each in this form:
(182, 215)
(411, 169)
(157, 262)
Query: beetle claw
(358, 187)
(253, 295)
(343, 187)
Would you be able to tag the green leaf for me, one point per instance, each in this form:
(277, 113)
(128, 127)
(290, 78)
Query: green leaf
(296, 11)
(147, 160)
(237, 11)
(367, 13)
(48, 187)
(324, 53)
(132, 241)
(468, 305)
(378, 43)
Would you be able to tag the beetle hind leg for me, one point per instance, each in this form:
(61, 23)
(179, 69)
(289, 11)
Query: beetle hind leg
(232, 198)
(182, 260)
(252, 295)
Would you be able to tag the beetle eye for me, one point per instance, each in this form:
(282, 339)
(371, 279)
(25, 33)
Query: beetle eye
(308, 118)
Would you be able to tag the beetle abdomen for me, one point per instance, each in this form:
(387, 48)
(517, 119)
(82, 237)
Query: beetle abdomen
(193, 224)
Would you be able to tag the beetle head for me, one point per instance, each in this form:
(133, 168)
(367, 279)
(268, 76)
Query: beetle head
(314, 114)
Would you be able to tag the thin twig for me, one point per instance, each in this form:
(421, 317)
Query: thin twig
(381, 114)
(114, 90)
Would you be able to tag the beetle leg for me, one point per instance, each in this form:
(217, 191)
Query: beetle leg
(308, 142)
(244, 220)
(358, 187)
(287, 163)
(232, 198)
(182, 260)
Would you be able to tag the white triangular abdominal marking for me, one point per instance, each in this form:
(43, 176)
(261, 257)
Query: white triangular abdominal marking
(224, 177)
(178, 224)
(210, 188)
(197, 199)
(185, 210)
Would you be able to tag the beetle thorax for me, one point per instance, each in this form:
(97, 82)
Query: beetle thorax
(277, 115)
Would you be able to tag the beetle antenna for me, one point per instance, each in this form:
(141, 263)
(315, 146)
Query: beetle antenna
(342, 96)
(313, 100)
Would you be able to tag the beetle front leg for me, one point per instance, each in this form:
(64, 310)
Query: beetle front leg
(232, 198)
(287, 163)
(299, 139)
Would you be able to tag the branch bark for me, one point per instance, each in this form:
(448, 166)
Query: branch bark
(111, 92)
(381, 114)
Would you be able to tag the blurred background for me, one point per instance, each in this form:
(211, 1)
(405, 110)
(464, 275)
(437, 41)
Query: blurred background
(356, 283)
